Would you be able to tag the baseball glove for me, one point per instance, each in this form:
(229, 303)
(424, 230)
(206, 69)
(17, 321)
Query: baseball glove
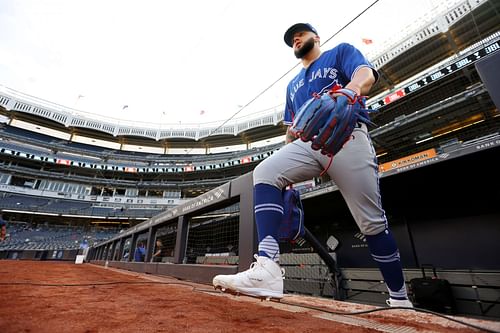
(329, 119)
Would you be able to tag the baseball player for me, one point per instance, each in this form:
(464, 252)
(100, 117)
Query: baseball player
(354, 170)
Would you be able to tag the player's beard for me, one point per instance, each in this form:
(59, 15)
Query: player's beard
(305, 48)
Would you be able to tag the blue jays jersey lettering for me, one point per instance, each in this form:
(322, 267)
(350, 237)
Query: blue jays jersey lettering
(333, 67)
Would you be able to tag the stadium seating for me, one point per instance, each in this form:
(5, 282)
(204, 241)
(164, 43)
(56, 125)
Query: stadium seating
(23, 236)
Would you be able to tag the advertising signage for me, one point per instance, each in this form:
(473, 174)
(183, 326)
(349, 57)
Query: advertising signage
(434, 76)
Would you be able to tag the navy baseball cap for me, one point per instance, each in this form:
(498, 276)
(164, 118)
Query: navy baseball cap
(298, 27)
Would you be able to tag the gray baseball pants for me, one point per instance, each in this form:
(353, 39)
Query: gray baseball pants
(353, 169)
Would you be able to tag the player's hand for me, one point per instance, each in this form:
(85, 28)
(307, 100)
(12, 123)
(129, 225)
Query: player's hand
(329, 119)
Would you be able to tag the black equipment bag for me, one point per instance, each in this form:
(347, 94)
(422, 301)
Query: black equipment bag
(432, 293)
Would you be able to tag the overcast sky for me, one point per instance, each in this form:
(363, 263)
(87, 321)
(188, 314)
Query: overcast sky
(193, 61)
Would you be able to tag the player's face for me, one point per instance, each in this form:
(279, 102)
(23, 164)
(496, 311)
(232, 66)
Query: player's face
(303, 47)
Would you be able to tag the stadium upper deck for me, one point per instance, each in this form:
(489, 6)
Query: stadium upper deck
(422, 102)
(448, 37)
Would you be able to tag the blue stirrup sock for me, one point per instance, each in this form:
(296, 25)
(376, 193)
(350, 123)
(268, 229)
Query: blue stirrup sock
(268, 208)
(385, 252)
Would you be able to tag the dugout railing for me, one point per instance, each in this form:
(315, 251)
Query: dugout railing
(112, 252)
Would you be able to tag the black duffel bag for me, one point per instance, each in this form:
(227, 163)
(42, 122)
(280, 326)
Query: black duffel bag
(432, 293)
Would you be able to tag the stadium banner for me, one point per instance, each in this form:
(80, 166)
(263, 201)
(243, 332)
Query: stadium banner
(410, 159)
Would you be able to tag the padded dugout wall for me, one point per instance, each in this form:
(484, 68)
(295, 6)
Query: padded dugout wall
(489, 71)
(62, 255)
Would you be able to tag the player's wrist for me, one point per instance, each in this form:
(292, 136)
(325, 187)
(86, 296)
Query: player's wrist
(354, 92)
(351, 95)
(355, 88)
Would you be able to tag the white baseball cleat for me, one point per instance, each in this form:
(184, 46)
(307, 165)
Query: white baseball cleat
(264, 278)
(399, 303)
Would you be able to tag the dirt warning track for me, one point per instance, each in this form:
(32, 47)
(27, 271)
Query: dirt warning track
(64, 297)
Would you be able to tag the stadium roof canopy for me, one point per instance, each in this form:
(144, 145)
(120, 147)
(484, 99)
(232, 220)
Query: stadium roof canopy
(446, 36)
